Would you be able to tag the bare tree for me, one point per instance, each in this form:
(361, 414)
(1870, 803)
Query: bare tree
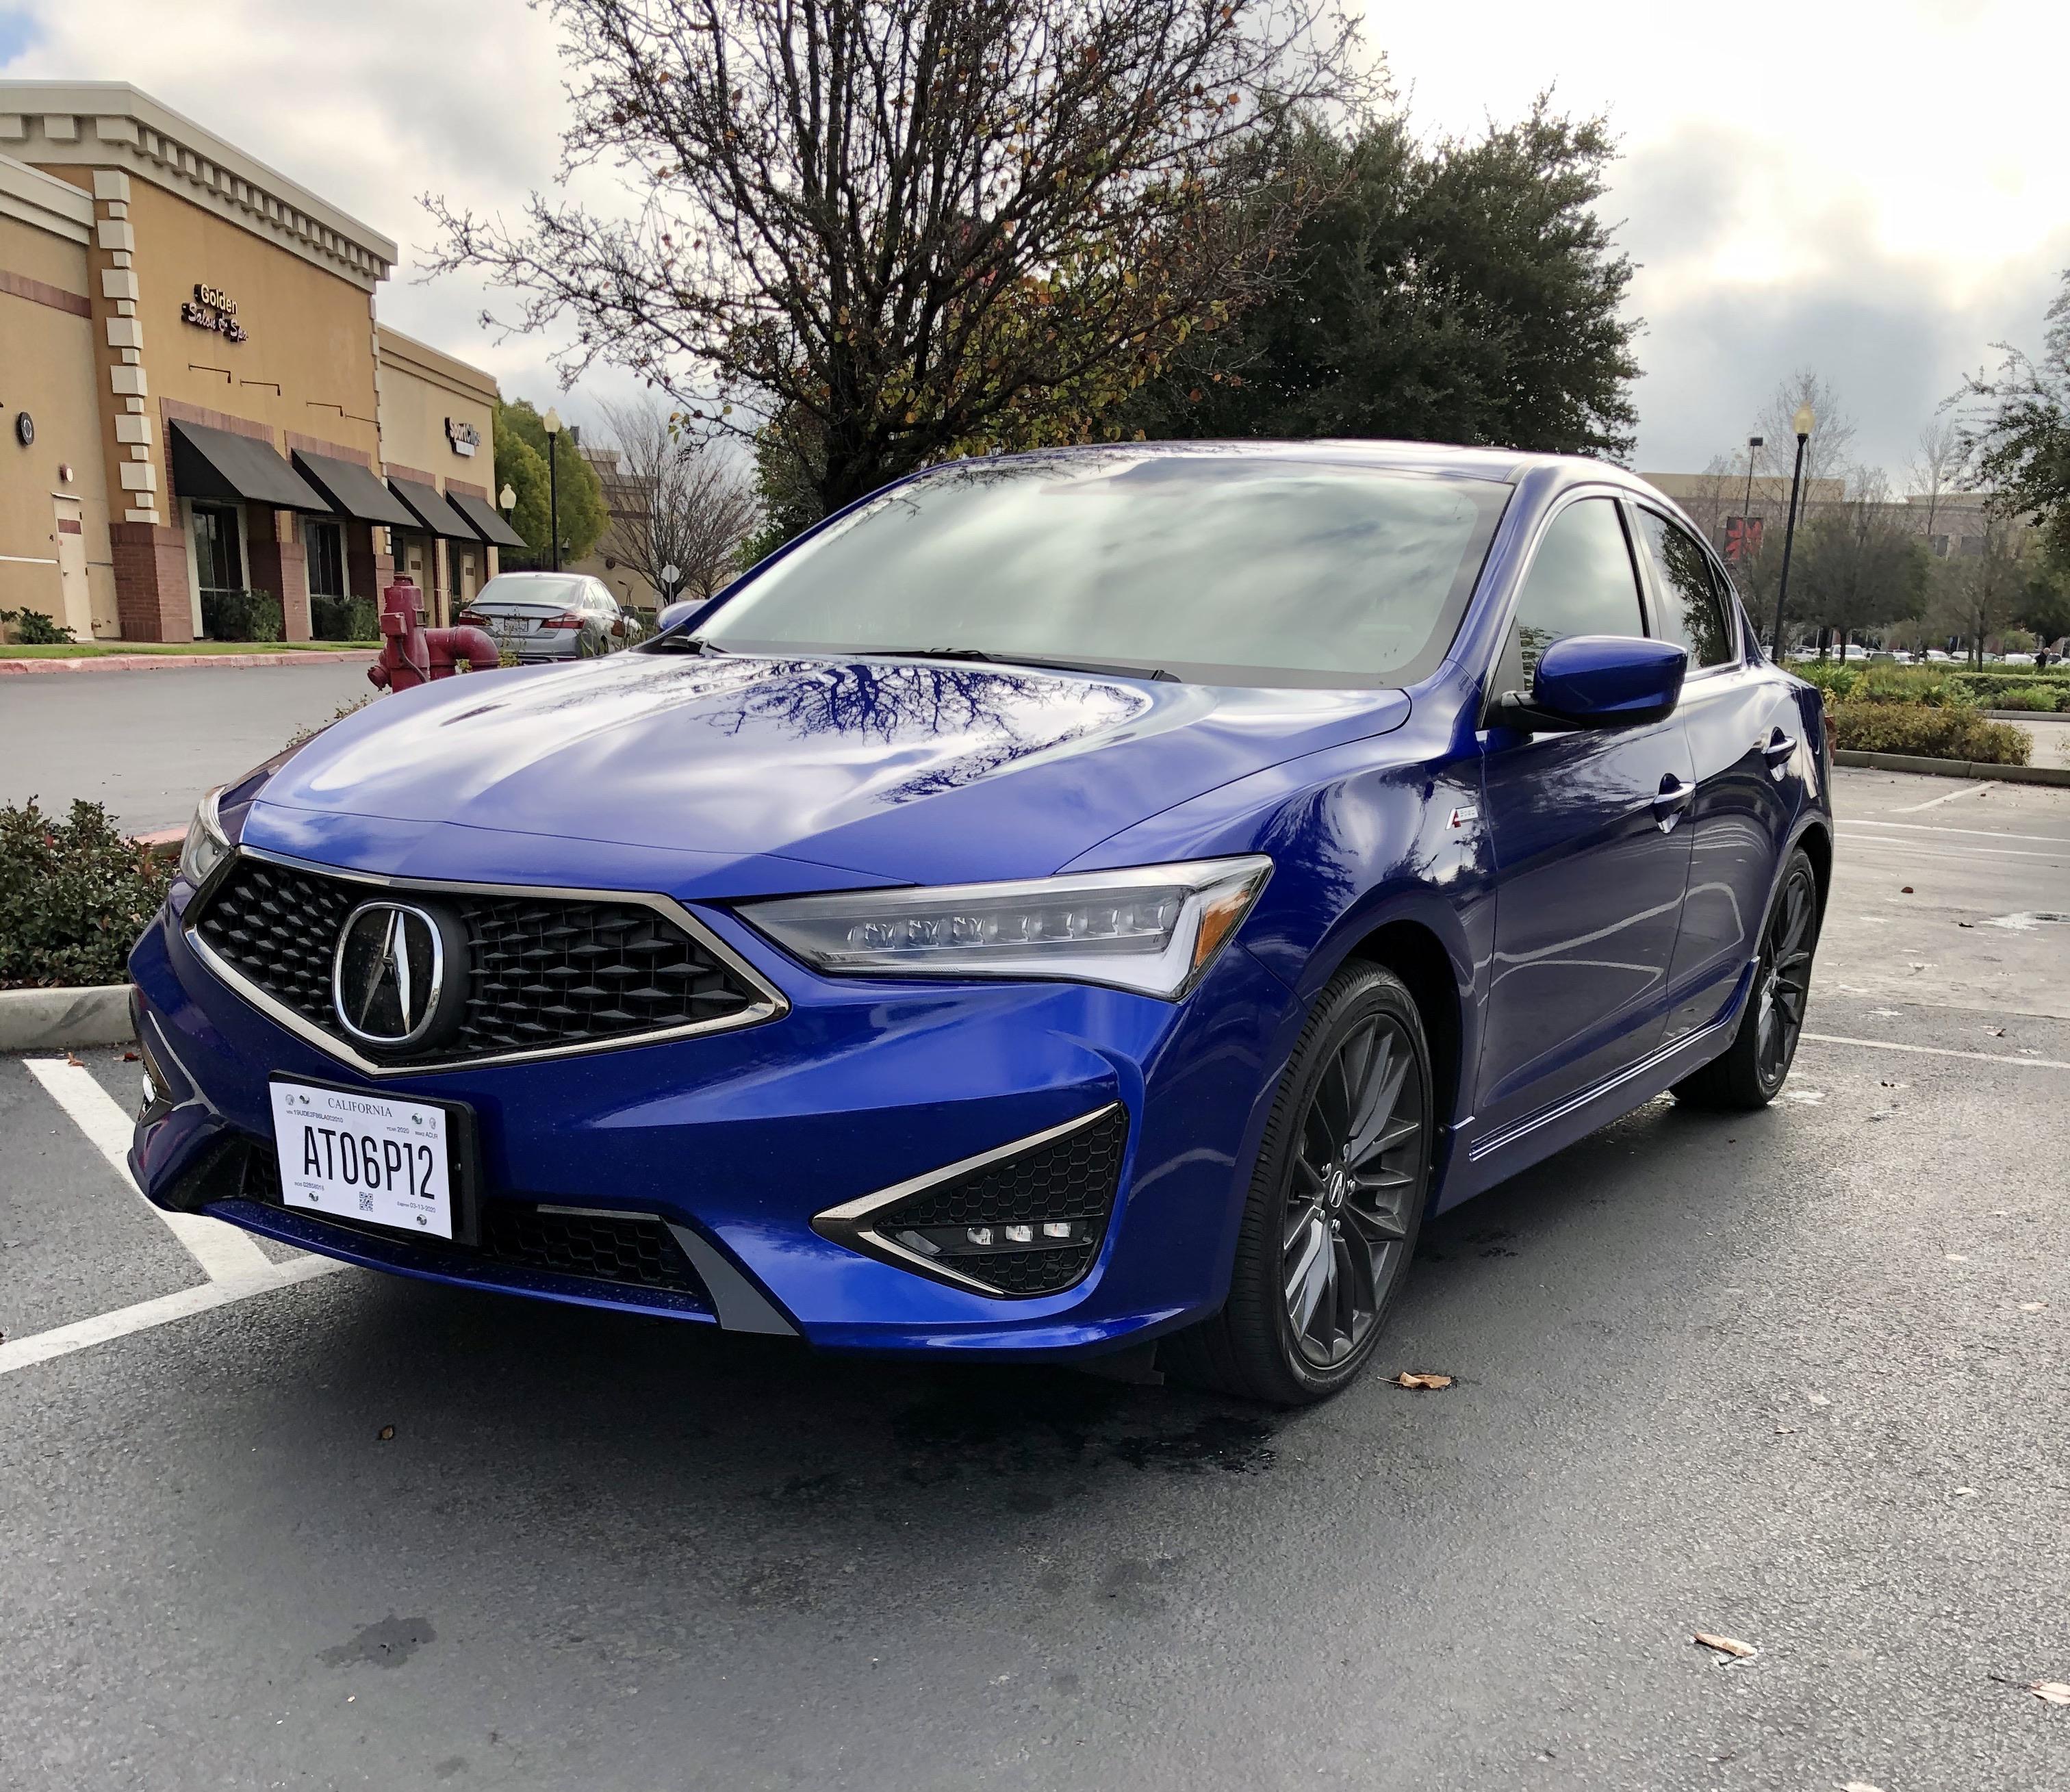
(683, 501)
(891, 229)
(1859, 564)
(1827, 454)
(1939, 455)
(1977, 595)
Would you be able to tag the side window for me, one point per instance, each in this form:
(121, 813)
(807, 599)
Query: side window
(1690, 614)
(1580, 582)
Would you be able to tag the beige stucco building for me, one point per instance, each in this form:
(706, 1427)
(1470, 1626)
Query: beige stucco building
(197, 396)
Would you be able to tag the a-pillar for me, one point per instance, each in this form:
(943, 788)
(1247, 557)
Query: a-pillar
(280, 565)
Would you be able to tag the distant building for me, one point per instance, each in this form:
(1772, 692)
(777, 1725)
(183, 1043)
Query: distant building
(627, 496)
(1737, 521)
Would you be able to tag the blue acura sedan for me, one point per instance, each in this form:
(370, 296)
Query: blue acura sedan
(1074, 903)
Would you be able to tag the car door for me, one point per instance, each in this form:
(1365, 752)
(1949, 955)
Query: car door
(1743, 729)
(1591, 861)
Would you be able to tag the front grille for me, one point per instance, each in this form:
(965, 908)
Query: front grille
(1066, 1186)
(634, 1250)
(543, 973)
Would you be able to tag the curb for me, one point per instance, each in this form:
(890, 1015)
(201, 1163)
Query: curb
(2025, 715)
(2056, 775)
(44, 1020)
(161, 662)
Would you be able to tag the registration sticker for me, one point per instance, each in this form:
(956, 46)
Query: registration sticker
(353, 1156)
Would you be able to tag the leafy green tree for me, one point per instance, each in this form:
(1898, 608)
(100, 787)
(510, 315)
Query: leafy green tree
(2016, 432)
(1459, 290)
(1860, 562)
(520, 463)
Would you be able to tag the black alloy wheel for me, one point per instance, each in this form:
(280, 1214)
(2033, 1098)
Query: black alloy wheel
(1335, 1206)
(1751, 1071)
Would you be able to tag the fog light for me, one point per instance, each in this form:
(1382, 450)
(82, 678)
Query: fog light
(978, 1235)
(1057, 1229)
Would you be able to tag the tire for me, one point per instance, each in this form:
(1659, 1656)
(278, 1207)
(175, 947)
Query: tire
(1751, 1071)
(1335, 1241)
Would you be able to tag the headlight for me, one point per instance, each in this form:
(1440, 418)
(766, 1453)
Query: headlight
(1155, 929)
(206, 846)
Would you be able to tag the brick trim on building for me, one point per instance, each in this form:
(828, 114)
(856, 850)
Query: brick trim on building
(337, 451)
(397, 471)
(461, 486)
(151, 582)
(41, 291)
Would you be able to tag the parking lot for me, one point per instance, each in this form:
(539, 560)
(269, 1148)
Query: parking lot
(1795, 1378)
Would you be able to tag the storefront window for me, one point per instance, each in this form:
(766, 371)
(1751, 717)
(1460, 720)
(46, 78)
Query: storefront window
(219, 561)
(323, 543)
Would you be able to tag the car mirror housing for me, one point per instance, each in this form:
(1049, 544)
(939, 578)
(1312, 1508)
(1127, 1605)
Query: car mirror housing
(1604, 681)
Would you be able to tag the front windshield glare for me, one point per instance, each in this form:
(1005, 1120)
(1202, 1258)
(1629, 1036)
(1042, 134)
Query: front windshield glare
(1233, 569)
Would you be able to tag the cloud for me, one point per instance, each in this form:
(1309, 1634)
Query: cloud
(18, 32)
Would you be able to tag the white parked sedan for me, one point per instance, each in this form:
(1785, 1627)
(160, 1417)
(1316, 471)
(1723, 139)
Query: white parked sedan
(551, 616)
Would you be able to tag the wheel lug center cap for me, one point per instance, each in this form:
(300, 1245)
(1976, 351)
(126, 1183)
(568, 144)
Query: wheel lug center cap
(1340, 1182)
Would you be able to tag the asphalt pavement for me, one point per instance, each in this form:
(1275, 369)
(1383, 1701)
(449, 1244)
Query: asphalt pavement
(1795, 1378)
(148, 744)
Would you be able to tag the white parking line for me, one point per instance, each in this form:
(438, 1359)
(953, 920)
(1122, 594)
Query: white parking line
(236, 1268)
(62, 1340)
(1940, 1051)
(1953, 796)
(1848, 827)
(223, 1252)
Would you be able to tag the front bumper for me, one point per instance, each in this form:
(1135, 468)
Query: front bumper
(735, 1141)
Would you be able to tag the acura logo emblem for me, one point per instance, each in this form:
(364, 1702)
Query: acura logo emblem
(387, 974)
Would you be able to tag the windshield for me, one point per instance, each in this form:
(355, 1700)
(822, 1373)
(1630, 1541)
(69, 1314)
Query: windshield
(1224, 568)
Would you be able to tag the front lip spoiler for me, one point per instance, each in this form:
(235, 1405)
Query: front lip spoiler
(770, 1003)
(849, 1224)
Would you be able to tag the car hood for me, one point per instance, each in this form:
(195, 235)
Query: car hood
(900, 769)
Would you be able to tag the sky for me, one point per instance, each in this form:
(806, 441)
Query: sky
(1873, 189)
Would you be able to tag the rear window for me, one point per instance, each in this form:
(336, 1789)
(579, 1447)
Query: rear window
(550, 593)
(1227, 568)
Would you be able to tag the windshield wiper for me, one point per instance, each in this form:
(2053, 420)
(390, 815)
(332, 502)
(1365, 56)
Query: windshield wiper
(678, 644)
(1155, 674)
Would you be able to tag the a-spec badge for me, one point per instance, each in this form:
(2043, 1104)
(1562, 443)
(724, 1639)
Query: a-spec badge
(1461, 817)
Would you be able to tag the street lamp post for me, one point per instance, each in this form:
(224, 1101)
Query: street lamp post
(506, 500)
(1803, 422)
(551, 423)
(1755, 444)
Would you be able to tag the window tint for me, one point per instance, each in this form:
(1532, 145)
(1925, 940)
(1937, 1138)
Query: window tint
(1581, 583)
(1689, 613)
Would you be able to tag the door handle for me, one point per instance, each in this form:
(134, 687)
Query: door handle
(1674, 798)
(1780, 749)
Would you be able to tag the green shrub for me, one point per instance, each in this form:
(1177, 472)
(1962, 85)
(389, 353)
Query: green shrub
(74, 895)
(33, 628)
(344, 619)
(1923, 684)
(227, 616)
(1932, 733)
(2047, 699)
(1837, 681)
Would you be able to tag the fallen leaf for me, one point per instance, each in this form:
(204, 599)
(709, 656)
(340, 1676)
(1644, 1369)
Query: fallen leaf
(2051, 1692)
(2033, 1306)
(131, 1057)
(1408, 1378)
(1725, 1645)
(1816, 1399)
(1966, 923)
(386, 1432)
(76, 1063)
(1906, 891)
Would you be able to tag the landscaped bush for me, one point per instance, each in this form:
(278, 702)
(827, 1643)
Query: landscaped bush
(74, 895)
(344, 619)
(1884, 683)
(1933, 734)
(2046, 698)
(240, 616)
(33, 628)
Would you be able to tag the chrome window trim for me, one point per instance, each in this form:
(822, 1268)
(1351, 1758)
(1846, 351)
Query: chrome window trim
(770, 1003)
(849, 1224)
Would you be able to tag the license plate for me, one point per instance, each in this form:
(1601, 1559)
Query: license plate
(382, 1160)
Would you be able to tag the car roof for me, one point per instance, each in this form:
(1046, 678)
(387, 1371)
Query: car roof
(1501, 466)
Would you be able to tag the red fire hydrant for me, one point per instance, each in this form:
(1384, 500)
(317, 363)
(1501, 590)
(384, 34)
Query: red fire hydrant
(412, 654)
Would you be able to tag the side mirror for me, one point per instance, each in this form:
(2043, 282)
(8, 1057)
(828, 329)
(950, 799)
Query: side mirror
(673, 613)
(1607, 682)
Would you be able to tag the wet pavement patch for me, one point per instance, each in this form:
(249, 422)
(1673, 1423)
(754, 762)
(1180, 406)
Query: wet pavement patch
(388, 1643)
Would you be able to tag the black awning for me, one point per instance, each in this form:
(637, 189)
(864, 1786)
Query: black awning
(353, 491)
(488, 525)
(432, 513)
(241, 469)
